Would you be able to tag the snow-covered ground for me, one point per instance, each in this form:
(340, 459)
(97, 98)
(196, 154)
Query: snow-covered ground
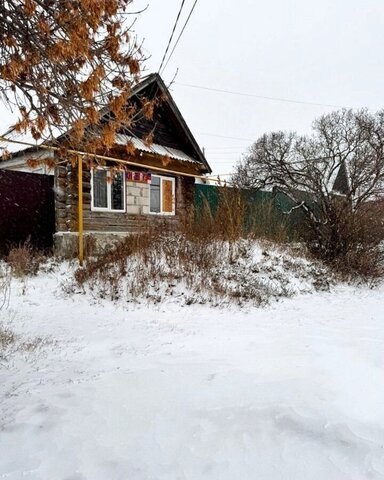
(294, 390)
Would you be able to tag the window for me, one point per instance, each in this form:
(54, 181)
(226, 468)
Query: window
(162, 195)
(108, 192)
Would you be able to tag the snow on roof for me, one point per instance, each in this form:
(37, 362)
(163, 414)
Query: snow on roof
(174, 153)
(121, 139)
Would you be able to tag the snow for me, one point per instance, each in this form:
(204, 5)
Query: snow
(290, 391)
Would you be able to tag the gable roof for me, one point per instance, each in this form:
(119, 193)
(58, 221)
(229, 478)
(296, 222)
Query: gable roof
(154, 85)
(341, 183)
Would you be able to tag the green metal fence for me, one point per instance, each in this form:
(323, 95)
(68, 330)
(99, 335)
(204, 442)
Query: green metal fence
(267, 212)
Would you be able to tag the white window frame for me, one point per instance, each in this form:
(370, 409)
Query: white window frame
(109, 194)
(173, 180)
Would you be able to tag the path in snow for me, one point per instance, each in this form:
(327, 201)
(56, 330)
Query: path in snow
(294, 391)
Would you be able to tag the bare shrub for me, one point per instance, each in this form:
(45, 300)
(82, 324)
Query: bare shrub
(223, 220)
(24, 260)
(230, 218)
(5, 285)
(334, 177)
(352, 243)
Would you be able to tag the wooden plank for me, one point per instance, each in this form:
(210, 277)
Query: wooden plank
(167, 187)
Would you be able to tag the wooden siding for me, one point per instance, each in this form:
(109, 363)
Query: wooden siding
(164, 126)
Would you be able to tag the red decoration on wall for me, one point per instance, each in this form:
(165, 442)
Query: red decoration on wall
(138, 177)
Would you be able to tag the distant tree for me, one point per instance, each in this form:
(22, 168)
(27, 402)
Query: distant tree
(63, 61)
(340, 167)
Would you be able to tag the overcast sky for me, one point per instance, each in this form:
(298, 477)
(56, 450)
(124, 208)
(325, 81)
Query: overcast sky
(324, 51)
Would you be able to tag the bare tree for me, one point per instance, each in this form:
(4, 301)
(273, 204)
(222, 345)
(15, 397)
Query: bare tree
(63, 62)
(335, 176)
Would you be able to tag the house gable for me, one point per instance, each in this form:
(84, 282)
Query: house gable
(168, 127)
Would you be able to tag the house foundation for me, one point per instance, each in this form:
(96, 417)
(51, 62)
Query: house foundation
(66, 244)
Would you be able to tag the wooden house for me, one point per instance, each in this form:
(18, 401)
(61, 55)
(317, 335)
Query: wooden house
(158, 182)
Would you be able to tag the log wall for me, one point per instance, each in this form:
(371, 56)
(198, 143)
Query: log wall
(66, 204)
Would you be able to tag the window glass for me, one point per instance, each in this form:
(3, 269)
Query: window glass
(100, 199)
(155, 194)
(117, 192)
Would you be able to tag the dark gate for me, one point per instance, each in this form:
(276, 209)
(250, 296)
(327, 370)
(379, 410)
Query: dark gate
(26, 209)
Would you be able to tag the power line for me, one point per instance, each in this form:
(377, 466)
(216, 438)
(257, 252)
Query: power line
(223, 147)
(181, 33)
(173, 32)
(228, 151)
(235, 152)
(223, 136)
(225, 152)
(262, 97)
(224, 157)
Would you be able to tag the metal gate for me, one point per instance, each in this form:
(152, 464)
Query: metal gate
(26, 209)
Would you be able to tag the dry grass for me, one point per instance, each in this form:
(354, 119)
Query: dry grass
(352, 244)
(194, 269)
(12, 343)
(226, 221)
(265, 223)
(209, 260)
(235, 217)
(7, 338)
(24, 260)
(208, 257)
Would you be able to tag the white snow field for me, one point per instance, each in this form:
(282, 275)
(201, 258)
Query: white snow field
(290, 391)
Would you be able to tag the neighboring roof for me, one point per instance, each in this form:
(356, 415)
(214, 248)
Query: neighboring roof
(341, 183)
(154, 79)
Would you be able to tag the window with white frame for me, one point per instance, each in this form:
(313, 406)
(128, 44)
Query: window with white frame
(107, 190)
(162, 195)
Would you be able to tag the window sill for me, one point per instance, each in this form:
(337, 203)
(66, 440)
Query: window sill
(95, 209)
(163, 214)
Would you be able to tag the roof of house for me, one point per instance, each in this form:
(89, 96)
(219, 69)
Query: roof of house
(341, 183)
(186, 149)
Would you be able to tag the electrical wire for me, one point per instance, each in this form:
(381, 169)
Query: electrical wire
(181, 33)
(173, 32)
(223, 136)
(261, 97)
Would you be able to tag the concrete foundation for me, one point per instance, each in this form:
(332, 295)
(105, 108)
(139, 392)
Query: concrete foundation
(66, 244)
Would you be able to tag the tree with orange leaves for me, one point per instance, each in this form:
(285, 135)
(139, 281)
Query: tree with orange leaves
(63, 63)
